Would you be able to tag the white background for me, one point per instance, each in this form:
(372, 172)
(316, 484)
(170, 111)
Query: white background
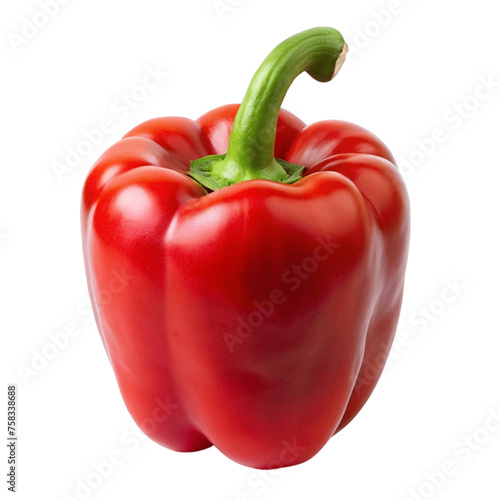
(415, 72)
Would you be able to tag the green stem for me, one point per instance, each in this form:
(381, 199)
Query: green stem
(250, 154)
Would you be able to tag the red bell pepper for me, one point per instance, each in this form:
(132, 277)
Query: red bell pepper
(246, 271)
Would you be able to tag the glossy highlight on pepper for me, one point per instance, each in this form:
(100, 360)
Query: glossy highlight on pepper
(262, 264)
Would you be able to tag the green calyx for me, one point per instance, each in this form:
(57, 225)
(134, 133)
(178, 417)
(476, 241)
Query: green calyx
(203, 171)
(250, 153)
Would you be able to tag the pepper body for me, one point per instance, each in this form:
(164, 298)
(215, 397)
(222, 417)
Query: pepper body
(257, 317)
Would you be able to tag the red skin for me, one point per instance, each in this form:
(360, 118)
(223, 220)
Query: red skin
(314, 270)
